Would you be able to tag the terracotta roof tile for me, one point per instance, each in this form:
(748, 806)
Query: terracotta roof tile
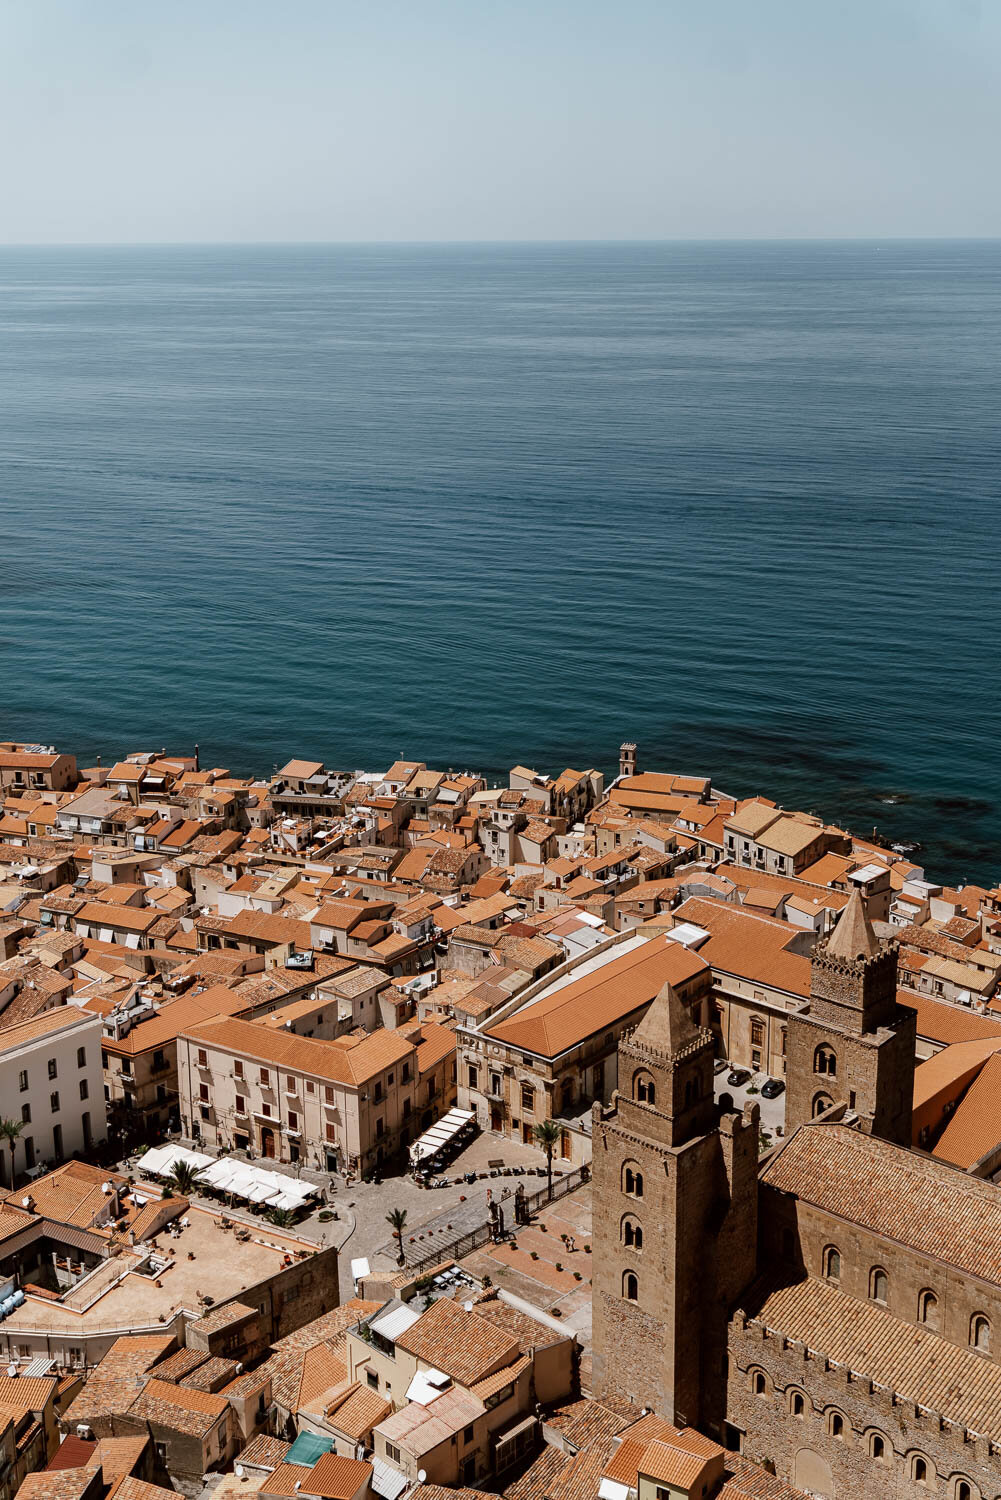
(917, 1364)
(872, 1183)
(567, 1016)
(462, 1344)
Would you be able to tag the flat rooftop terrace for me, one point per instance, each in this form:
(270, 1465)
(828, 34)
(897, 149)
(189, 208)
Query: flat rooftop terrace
(222, 1267)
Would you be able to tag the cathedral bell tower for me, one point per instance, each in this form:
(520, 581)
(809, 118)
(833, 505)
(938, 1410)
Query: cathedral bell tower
(675, 1195)
(855, 1044)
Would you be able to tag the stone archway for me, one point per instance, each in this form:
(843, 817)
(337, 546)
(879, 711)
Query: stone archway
(813, 1474)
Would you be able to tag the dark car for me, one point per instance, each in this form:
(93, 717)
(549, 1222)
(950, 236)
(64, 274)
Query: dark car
(772, 1088)
(738, 1076)
(721, 1065)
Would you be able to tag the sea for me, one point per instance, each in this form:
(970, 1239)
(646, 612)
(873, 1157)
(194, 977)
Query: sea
(497, 503)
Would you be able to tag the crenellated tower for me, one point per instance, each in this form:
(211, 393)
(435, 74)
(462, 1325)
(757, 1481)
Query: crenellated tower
(855, 1044)
(675, 1220)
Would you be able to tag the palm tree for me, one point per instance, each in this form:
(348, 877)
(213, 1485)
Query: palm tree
(182, 1177)
(397, 1219)
(10, 1130)
(547, 1135)
(284, 1218)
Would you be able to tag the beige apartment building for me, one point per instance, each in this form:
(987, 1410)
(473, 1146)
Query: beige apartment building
(139, 1056)
(347, 1104)
(552, 1052)
(464, 1382)
(761, 837)
(34, 768)
(51, 1084)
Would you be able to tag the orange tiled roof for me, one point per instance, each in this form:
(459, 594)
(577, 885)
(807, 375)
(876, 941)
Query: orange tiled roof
(460, 1343)
(566, 1017)
(347, 1061)
(974, 1127)
(748, 944)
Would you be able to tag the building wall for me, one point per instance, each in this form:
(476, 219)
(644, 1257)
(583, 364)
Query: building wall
(33, 1058)
(796, 1235)
(803, 1448)
(875, 1073)
(330, 1118)
(144, 1083)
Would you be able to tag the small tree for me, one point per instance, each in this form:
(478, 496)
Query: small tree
(10, 1130)
(397, 1220)
(547, 1136)
(182, 1177)
(284, 1218)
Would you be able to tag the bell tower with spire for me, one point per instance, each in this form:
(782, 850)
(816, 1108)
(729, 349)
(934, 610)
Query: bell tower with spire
(854, 1045)
(675, 1220)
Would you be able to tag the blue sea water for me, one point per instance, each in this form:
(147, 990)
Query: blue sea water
(488, 504)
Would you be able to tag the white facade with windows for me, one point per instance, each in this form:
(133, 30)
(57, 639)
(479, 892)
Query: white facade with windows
(52, 1084)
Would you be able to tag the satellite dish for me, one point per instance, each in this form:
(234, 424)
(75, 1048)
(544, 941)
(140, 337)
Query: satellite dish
(12, 1369)
(238, 1470)
(421, 1475)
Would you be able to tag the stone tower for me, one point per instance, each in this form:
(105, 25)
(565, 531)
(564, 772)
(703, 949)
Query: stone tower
(675, 1221)
(627, 759)
(854, 1045)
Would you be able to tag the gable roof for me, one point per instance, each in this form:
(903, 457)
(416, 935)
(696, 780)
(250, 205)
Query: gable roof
(974, 1128)
(347, 1060)
(567, 1014)
(748, 944)
(460, 1343)
(911, 1360)
(872, 1183)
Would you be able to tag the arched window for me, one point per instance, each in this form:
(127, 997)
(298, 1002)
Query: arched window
(825, 1060)
(689, 1093)
(630, 1286)
(758, 1383)
(919, 1469)
(836, 1425)
(879, 1284)
(877, 1446)
(644, 1088)
(832, 1263)
(797, 1403)
(820, 1103)
(980, 1333)
(964, 1489)
(632, 1180)
(928, 1309)
(632, 1233)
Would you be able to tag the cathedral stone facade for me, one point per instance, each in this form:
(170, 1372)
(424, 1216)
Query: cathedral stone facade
(834, 1308)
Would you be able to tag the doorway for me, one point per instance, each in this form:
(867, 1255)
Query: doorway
(268, 1143)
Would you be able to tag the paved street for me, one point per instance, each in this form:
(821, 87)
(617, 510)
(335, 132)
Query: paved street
(538, 1264)
(359, 1226)
(773, 1111)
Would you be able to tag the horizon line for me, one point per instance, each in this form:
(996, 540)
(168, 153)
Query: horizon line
(249, 244)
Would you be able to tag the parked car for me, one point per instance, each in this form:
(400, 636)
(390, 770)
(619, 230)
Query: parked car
(721, 1065)
(772, 1088)
(738, 1076)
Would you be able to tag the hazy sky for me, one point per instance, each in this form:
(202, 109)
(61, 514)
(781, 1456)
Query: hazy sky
(164, 120)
